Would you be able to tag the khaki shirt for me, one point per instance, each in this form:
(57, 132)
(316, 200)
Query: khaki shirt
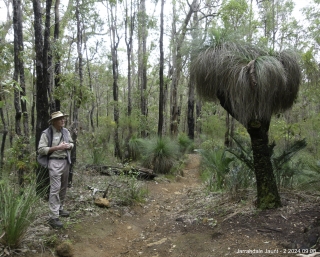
(43, 147)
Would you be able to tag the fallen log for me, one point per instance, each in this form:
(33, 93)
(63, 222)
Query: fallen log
(139, 172)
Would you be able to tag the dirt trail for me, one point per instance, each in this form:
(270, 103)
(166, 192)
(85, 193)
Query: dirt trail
(178, 220)
(155, 228)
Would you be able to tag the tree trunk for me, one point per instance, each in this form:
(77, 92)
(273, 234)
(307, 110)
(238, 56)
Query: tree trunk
(191, 93)
(190, 118)
(4, 136)
(47, 53)
(143, 65)
(90, 86)
(57, 66)
(34, 95)
(177, 67)
(129, 24)
(114, 39)
(267, 191)
(16, 72)
(161, 93)
(23, 101)
(78, 94)
(42, 104)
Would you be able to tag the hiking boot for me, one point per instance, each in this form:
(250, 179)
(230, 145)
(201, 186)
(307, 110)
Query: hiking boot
(55, 223)
(63, 213)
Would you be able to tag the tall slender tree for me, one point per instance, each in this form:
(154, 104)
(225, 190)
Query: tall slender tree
(57, 65)
(114, 43)
(17, 59)
(142, 66)
(179, 38)
(161, 81)
(42, 104)
(20, 100)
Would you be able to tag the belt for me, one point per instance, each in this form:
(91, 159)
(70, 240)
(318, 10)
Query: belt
(58, 158)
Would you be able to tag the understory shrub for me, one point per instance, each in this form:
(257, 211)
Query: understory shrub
(17, 212)
(186, 145)
(136, 147)
(216, 166)
(283, 163)
(127, 189)
(160, 154)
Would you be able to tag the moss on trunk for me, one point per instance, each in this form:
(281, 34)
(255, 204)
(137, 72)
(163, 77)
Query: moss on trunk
(267, 191)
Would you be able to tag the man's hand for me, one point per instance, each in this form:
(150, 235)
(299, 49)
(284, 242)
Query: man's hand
(64, 146)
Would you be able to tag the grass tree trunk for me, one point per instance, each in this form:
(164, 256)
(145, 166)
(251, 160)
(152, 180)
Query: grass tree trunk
(267, 192)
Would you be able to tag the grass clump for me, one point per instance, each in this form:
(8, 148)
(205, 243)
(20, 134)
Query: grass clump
(160, 154)
(16, 212)
(127, 189)
(216, 165)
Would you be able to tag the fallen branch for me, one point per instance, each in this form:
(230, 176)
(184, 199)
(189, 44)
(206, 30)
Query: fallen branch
(105, 192)
(140, 172)
(268, 230)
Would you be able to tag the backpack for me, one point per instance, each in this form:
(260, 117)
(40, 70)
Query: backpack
(44, 159)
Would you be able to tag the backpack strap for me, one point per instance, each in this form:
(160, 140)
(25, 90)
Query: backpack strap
(49, 134)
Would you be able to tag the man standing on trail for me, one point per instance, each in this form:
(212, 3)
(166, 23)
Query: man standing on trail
(56, 143)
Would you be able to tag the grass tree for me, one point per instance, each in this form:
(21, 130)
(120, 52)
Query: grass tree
(251, 84)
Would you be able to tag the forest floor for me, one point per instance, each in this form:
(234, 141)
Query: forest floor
(179, 219)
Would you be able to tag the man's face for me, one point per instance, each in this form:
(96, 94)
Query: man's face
(59, 122)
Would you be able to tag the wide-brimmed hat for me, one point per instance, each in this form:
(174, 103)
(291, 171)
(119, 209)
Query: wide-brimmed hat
(56, 115)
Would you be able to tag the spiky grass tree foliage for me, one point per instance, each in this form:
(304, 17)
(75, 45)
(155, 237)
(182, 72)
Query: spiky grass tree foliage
(251, 84)
(218, 165)
(17, 212)
(160, 154)
(136, 147)
(185, 143)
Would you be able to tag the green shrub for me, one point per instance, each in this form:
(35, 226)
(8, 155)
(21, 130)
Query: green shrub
(216, 164)
(238, 180)
(136, 147)
(160, 154)
(16, 212)
(284, 166)
(128, 189)
(186, 145)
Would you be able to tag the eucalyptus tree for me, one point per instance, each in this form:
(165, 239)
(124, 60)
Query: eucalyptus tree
(161, 81)
(178, 37)
(191, 88)
(19, 77)
(250, 84)
(18, 62)
(142, 63)
(5, 67)
(42, 103)
(57, 55)
(114, 44)
(77, 94)
(277, 23)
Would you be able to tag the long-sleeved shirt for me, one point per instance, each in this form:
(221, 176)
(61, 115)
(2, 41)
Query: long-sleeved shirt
(57, 138)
